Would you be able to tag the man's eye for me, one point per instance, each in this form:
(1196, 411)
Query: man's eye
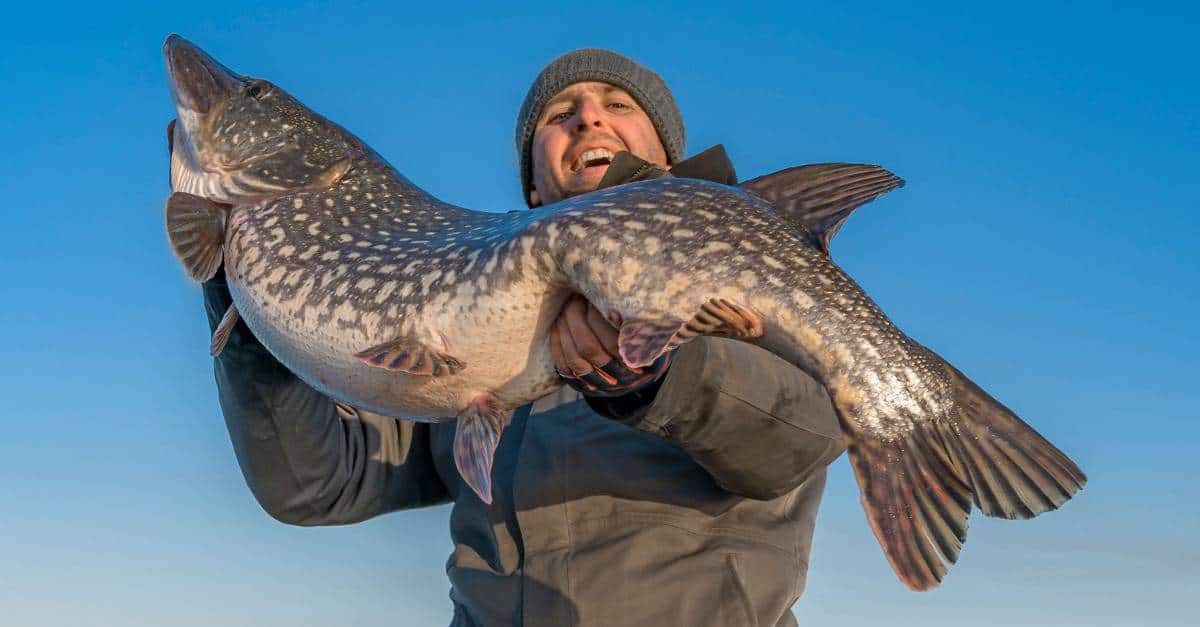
(618, 105)
(559, 117)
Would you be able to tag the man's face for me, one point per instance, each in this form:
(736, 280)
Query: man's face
(580, 130)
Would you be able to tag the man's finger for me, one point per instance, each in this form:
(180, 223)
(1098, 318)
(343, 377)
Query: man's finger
(575, 364)
(586, 343)
(604, 331)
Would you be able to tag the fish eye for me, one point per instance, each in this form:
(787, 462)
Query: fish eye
(257, 90)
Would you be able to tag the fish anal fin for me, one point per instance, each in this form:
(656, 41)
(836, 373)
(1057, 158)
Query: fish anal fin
(196, 230)
(722, 317)
(916, 505)
(220, 337)
(821, 196)
(410, 355)
(475, 441)
(643, 339)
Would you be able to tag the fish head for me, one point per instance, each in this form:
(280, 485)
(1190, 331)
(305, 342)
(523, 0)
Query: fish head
(244, 139)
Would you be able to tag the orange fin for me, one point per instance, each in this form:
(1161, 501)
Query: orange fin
(196, 230)
(917, 490)
(916, 502)
(410, 356)
(221, 336)
(475, 442)
(725, 318)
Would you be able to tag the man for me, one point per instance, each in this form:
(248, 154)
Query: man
(684, 494)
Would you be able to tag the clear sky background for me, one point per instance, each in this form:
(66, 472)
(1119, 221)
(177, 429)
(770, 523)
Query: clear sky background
(1046, 244)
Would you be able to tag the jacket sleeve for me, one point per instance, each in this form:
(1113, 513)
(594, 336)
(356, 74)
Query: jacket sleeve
(307, 459)
(757, 424)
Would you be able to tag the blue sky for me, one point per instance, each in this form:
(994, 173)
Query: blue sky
(1045, 244)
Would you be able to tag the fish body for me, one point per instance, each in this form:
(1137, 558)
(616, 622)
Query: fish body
(389, 299)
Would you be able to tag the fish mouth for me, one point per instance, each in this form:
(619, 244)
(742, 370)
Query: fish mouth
(198, 82)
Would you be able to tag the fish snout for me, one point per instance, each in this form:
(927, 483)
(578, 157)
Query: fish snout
(198, 82)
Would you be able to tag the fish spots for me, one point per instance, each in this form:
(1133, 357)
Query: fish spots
(329, 202)
(309, 252)
(287, 251)
(652, 245)
(297, 203)
(428, 279)
(577, 231)
(748, 245)
(300, 217)
(707, 215)
(714, 247)
(845, 393)
(345, 238)
(330, 255)
(608, 244)
(683, 233)
(667, 217)
(802, 300)
(365, 284)
(598, 220)
(634, 225)
(772, 262)
(620, 213)
(747, 279)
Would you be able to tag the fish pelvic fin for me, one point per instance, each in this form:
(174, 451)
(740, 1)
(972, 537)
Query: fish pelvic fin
(917, 490)
(475, 440)
(820, 197)
(412, 356)
(196, 230)
(220, 337)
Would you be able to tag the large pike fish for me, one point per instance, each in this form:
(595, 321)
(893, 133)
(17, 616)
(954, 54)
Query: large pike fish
(386, 298)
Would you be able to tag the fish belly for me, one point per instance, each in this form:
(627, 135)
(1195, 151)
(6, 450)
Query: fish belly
(506, 357)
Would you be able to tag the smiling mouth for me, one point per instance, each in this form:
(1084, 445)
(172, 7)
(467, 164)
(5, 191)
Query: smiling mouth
(591, 158)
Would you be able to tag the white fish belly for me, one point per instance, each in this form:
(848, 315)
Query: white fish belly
(506, 353)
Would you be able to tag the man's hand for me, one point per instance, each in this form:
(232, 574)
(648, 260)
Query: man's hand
(584, 347)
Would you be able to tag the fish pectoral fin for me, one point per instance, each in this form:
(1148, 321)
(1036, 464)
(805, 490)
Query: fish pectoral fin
(475, 441)
(410, 356)
(821, 196)
(642, 340)
(221, 336)
(196, 230)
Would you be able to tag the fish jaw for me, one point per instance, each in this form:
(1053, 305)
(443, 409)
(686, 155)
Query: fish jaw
(245, 140)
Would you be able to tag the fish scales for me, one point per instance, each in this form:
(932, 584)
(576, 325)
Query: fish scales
(386, 298)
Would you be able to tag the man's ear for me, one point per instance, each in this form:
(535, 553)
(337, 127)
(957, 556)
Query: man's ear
(534, 199)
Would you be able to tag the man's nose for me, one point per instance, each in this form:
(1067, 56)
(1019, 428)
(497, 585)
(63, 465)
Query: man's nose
(590, 116)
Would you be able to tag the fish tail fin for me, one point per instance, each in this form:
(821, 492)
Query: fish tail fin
(1014, 472)
(917, 490)
(917, 502)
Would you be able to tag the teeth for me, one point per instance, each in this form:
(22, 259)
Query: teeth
(591, 155)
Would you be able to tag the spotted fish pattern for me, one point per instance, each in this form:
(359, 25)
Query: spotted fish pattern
(389, 299)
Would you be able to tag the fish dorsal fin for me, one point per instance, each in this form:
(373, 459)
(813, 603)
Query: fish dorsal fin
(196, 230)
(220, 337)
(411, 355)
(821, 196)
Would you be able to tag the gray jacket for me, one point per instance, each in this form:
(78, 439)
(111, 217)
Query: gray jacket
(696, 508)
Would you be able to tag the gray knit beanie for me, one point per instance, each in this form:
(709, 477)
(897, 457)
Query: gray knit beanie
(606, 66)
